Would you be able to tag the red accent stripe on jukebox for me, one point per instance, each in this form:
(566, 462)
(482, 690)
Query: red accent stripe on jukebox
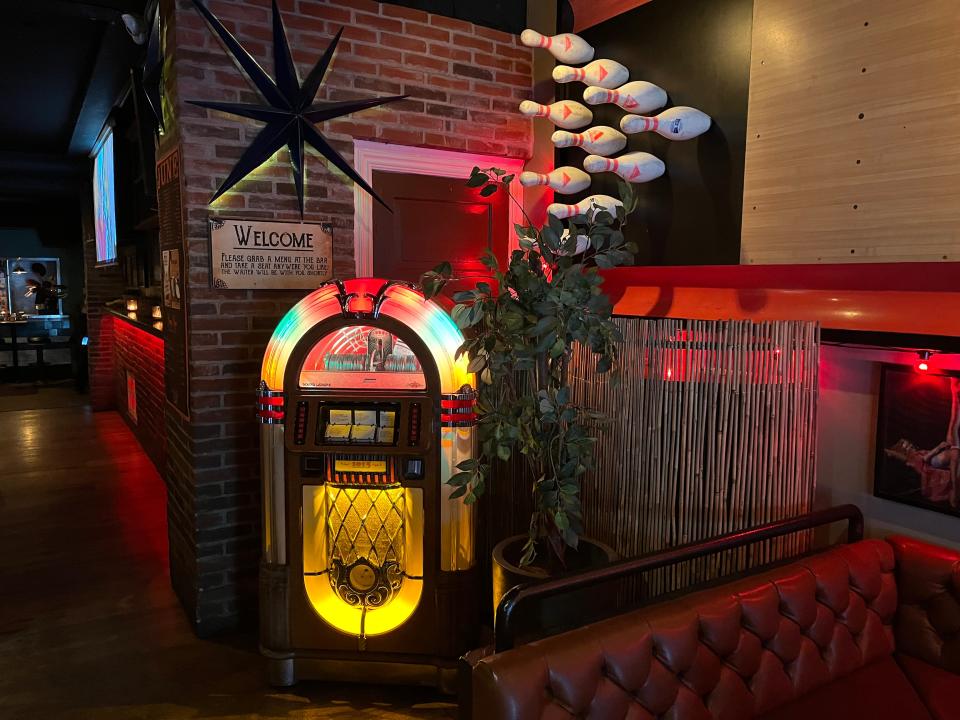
(458, 409)
(270, 408)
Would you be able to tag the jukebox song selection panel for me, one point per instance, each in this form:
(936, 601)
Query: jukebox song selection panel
(374, 426)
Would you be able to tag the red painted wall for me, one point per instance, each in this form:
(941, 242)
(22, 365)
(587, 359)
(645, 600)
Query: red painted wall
(140, 353)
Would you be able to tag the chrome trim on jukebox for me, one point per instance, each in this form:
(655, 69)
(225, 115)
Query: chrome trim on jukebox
(270, 405)
(272, 479)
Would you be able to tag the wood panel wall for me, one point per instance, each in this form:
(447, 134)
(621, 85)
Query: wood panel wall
(711, 430)
(853, 133)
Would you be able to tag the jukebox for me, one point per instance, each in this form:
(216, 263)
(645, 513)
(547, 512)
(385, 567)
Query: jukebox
(368, 565)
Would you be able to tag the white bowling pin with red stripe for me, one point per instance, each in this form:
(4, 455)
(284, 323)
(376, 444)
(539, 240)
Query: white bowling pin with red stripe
(677, 123)
(599, 140)
(564, 179)
(585, 206)
(635, 167)
(583, 242)
(638, 96)
(567, 114)
(603, 73)
(565, 47)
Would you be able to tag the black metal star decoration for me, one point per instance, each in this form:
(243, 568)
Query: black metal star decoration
(289, 112)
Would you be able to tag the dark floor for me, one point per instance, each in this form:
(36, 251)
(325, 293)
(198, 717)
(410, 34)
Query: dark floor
(89, 627)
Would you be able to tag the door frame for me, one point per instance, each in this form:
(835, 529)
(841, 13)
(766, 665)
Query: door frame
(369, 156)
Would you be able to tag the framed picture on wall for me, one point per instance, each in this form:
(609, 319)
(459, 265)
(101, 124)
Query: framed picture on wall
(918, 439)
(34, 286)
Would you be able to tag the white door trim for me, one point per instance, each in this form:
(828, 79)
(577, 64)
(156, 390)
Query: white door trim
(369, 156)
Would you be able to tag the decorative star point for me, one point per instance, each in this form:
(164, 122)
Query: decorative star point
(290, 110)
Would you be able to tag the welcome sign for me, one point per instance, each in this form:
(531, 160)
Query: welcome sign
(255, 254)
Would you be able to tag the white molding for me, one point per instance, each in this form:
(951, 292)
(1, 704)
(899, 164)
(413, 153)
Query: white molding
(369, 156)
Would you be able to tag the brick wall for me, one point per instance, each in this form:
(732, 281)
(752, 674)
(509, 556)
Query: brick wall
(101, 285)
(464, 83)
(141, 353)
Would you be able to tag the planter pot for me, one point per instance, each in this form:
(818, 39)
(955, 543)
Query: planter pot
(552, 614)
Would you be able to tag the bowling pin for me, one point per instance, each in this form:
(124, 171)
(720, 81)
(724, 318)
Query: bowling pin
(565, 47)
(583, 242)
(568, 114)
(599, 140)
(559, 210)
(635, 167)
(603, 73)
(564, 180)
(676, 123)
(638, 96)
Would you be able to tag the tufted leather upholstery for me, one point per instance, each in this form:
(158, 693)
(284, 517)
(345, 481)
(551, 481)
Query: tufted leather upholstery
(733, 652)
(928, 619)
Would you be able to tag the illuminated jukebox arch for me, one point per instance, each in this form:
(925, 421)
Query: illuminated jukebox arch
(366, 411)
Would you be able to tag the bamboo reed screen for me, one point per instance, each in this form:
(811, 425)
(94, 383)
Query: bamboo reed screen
(712, 429)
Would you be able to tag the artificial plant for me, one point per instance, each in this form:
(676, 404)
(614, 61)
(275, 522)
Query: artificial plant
(522, 328)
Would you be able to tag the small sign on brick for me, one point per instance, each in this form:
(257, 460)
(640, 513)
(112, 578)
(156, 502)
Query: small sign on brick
(262, 255)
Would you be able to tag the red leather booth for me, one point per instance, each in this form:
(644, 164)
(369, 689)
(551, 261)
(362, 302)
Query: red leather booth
(866, 630)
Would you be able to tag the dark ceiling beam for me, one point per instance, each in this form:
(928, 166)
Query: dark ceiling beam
(109, 75)
(64, 8)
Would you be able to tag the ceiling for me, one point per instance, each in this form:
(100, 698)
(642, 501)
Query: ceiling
(65, 63)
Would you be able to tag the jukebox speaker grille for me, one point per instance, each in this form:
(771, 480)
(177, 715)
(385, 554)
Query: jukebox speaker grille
(366, 540)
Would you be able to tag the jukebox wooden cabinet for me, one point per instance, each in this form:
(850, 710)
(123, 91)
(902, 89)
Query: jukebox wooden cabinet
(368, 565)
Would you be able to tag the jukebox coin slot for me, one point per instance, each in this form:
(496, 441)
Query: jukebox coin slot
(313, 465)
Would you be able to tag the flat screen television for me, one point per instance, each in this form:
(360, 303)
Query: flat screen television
(104, 205)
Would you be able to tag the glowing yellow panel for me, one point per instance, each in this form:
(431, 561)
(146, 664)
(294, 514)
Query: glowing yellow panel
(361, 466)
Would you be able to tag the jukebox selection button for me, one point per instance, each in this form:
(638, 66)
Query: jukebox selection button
(413, 469)
(300, 424)
(362, 577)
(413, 429)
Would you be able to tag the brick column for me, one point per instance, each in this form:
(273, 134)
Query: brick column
(101, 285)
(464, 83)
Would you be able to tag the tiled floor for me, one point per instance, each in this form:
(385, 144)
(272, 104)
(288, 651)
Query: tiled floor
(89, 627)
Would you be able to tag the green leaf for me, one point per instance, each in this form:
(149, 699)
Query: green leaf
(459, 492)
(477, 179)
(503, 452)
(477, 364)
(460, 478)
(544, 324)
(506, 179)
(488, 190)
(462, 315)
